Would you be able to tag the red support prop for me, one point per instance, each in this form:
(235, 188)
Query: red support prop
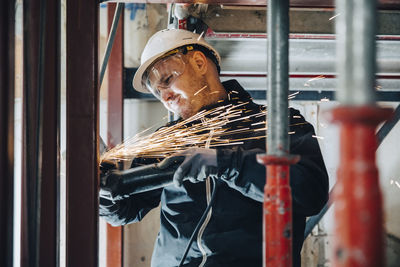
(115, 124)
(277, 224)
(357, 196)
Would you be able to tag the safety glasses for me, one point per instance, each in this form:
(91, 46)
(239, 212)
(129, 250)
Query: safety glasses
(164, 73)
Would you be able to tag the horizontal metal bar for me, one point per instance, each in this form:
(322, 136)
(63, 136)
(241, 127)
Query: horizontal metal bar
(312, 93)
(306, 56)
(383, 4)
(306, 36)
(245, 21)
(325, 95)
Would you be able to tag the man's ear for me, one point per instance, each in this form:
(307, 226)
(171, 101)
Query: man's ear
(200, 62)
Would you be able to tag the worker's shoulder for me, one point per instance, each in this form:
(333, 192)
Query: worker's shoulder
(169, 124)
(297, 121)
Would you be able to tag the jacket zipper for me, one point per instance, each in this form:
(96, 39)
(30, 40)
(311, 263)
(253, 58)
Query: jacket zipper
(205, 223)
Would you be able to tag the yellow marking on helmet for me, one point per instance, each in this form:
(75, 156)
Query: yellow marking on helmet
(188, 48)
(171, 52)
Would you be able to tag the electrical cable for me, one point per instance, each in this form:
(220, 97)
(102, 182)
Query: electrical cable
(203, 217)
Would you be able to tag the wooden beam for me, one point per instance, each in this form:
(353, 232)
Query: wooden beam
(82, 134)
(7, 58)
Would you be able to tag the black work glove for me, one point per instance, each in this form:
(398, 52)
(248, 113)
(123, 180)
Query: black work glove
(199, 164)
(106, 182)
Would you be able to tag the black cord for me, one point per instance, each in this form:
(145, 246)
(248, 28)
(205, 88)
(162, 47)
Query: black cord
(203, 217)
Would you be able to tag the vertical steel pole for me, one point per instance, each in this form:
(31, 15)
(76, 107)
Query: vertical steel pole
(30, 152)
(277, 193)
(40, 234)
(82, 134)
(7, 66)
(50, 144)
(115, 118)
(358, 201)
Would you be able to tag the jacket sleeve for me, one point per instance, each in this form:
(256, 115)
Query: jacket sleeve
(128, 210)
(308, 178)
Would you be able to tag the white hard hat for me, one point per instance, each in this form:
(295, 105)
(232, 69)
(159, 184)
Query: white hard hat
(163, 42)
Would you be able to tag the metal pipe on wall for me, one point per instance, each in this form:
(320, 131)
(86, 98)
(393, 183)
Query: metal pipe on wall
(358, 239)
(7, 66)
(277, 225)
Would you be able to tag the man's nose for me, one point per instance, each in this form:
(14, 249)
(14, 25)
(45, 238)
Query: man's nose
(166, 93)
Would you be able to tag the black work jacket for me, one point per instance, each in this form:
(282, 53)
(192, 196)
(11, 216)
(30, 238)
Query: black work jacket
(233, 236)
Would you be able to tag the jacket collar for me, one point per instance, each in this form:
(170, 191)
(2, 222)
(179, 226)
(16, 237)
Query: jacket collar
(236, 95)
(235, 90)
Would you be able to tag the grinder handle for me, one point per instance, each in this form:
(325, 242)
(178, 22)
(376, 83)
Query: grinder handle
(141, 179)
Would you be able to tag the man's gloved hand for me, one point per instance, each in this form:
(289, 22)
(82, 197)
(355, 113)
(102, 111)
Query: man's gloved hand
(199, 163)
(106, 167)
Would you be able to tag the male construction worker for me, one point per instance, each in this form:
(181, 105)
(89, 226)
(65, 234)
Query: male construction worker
(182, 70)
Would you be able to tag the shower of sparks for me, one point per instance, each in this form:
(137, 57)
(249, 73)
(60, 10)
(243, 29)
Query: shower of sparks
(201, 35)
(319, 77)
(291, 96)
(201, 89)
(192, 132)
(331, 18)
(398, 184)
(318, 137)
(325, 99)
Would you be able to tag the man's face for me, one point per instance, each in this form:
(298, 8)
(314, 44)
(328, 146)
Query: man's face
(179, 85)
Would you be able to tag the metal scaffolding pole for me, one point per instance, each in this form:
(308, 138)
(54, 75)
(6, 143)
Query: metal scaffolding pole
(277, 193)
(7, 56)
(358, 200)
